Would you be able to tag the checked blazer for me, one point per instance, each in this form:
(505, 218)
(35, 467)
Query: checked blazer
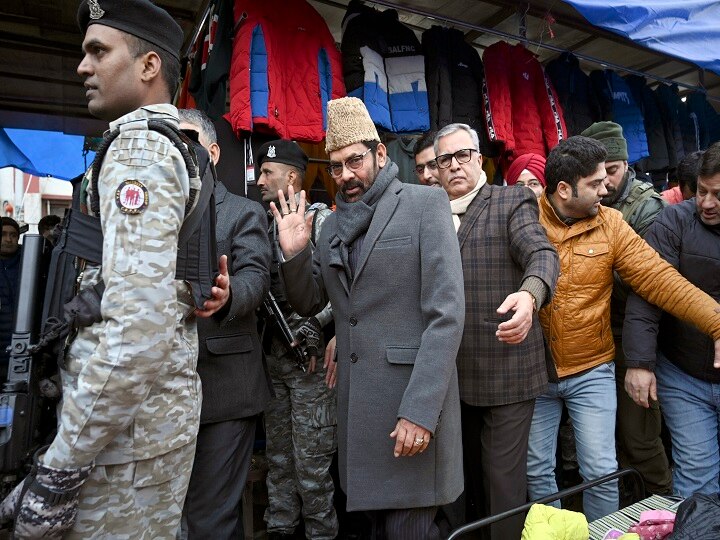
(501, 243)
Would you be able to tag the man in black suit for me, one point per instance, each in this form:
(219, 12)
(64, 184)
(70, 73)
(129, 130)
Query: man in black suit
(235, 382)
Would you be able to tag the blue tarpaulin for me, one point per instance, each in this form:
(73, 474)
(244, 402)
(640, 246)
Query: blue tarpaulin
(43, 153)
(687, 29)
(12, 156)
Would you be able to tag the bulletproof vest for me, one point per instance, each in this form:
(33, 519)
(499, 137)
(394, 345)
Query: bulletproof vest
(81, 239)
(639, 193)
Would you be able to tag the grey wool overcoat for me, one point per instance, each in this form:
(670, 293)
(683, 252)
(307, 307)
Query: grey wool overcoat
(398, 324)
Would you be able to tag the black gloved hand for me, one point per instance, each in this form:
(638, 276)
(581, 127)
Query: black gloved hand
(46, 501)
(310, 330)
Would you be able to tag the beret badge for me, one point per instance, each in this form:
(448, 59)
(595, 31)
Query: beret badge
(96, 11)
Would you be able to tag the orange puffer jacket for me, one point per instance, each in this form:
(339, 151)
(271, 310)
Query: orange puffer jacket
(577, 320)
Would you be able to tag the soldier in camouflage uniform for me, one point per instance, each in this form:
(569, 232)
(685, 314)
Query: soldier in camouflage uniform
(121, 461)
(300, 422)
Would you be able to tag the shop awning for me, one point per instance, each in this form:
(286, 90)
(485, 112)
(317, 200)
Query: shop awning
(43, 153)
(687, 29)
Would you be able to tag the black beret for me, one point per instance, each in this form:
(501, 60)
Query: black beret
(141, 18)
(281, 151)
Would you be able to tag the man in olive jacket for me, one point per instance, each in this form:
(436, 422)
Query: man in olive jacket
(389, 262)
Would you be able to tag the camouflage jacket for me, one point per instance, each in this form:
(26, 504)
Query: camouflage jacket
(130, 387)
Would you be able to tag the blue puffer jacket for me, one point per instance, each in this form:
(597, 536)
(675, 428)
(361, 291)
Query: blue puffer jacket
(9, 274)
(619, 106)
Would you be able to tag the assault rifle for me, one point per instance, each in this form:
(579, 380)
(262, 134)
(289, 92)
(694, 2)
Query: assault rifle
(273, 310)
(27, 419)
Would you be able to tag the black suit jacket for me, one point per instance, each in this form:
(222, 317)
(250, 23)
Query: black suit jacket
(234, 378)
(502, 243)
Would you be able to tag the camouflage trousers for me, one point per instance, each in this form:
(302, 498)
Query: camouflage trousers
(301, 437)
(137, 500)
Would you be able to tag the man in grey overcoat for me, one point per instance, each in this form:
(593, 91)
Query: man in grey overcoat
(389, 262)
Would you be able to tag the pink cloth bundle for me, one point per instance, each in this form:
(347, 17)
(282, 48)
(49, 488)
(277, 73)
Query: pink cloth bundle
(654, 524)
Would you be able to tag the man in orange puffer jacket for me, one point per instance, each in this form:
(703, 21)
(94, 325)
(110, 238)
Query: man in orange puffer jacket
(592, 241)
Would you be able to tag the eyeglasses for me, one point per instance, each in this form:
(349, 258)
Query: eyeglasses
(461, 156)
(431, 165)
(353, 164)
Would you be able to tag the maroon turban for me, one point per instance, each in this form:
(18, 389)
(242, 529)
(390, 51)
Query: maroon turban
(534, 163)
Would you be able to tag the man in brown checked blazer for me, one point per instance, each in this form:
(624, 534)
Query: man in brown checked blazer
(510, 270)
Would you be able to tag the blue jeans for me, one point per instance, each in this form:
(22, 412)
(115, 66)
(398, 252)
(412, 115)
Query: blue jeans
(591, 402)
(691, 408)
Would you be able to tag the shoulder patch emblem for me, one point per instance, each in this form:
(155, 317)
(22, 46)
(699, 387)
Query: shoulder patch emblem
(131, 197)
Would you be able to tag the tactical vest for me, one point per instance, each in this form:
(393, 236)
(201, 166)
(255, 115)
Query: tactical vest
(634, 201)
(81, 240)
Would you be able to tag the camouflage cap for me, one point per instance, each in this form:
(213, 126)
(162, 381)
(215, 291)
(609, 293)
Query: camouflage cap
(140, 18)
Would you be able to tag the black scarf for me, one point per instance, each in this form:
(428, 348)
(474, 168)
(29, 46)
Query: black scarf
(353, 219)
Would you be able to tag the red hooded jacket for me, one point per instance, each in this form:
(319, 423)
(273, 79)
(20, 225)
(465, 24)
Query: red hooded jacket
(522, 110)
(285, 68)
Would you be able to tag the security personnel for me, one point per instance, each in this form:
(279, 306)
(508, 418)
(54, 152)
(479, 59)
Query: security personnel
(121, 461)
(300, 422)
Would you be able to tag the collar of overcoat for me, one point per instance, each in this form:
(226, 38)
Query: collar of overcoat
(385, 209)
(474, 210)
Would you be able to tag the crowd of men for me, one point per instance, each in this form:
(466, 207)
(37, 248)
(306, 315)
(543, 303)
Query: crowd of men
(442, 329)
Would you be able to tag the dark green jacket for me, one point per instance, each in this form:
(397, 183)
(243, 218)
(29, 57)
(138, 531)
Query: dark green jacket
(640, 204)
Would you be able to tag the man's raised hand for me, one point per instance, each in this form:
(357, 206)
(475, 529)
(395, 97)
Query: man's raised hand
(293, 226)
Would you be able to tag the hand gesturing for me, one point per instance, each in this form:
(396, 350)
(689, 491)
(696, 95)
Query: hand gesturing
(294, 227)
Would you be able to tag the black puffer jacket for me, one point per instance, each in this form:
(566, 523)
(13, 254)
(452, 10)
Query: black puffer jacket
(577, 97)
(454, 74)
(671, 108)
(704, 119)
(693, 248)
(654, 129)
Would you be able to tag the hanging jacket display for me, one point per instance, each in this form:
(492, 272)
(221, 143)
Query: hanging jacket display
(402, 153)
(671, 110)
(211, 64)
(383, 65)
(522, 110)
(703, 119)
(285, 68)
(579, 102)
(454, 75)
(646, 99)
(619, 106)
